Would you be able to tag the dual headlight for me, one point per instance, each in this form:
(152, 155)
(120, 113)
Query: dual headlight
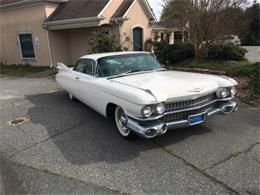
(149, 110)
(226, 92)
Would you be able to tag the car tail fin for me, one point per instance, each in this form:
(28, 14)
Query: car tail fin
(62, 67)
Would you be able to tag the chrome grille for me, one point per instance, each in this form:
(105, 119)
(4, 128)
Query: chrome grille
(185, 114)
(189, 103)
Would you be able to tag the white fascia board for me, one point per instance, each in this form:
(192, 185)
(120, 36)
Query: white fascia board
(25, 2)
(73, 23)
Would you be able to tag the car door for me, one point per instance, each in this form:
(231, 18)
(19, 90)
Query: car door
(84, 80)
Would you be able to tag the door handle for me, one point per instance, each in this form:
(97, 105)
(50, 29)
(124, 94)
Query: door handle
(77, 78)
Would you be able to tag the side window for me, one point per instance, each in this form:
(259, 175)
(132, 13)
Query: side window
(85, 66)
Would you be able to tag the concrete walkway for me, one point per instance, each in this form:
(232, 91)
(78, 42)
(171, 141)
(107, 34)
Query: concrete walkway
(253, 54)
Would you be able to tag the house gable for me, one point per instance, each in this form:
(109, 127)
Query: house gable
(123, 8)
(137, 15)
(126, 6)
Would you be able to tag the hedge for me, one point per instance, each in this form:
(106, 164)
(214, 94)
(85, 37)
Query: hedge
(226, 52)
(168, 54)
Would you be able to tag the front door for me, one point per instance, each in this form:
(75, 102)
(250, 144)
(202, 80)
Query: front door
(138, 39)
(84, 79)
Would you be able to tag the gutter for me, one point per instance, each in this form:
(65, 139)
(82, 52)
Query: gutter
(119, 19)
(26, 2)
(72, 21)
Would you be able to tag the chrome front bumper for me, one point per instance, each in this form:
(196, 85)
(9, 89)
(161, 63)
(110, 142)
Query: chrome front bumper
(154, 128)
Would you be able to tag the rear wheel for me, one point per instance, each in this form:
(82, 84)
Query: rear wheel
(121, 123)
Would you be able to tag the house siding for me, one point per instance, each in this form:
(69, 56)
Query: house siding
(138, 18)
(111, 8)
(23, 19)
(65, 45)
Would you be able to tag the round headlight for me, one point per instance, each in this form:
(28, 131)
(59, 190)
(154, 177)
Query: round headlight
(160, 108)
(233, 91)
(223, 93)
(147, 111)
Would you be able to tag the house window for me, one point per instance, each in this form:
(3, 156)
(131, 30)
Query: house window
(178, 37)
(26, 44)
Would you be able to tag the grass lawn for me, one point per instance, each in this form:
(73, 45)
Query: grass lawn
(20, 70)
(246, 74)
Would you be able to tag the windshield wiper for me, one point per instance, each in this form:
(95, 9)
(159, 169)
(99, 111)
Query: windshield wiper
(132, 71)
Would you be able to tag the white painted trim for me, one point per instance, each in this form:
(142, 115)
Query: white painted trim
(132, 33)
(72, 22)
(108, 3)
(24, 2)
(149, 9)
(75, 25)
(20, 47)
(22, 6)
(49, 48)
(125, 15)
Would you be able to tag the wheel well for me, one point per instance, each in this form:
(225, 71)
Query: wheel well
(110, 110)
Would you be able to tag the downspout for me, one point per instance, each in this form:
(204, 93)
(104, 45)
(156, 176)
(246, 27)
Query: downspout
(120, 31)
(49, 48)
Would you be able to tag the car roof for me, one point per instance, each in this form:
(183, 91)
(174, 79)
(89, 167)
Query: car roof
(101, 55)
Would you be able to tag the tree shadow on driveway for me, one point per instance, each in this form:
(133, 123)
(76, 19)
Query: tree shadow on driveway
(83, 136)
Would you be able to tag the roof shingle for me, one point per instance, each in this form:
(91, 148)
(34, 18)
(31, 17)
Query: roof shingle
(120, 12)
(75, 9)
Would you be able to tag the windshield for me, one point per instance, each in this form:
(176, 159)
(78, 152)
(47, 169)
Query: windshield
(125, 64)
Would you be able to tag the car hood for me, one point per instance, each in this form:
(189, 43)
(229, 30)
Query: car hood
(175, 85)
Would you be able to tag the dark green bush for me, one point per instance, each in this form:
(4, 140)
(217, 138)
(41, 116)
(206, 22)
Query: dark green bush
(169, 54)
(226, 52)
(101, 42)
(253, 72)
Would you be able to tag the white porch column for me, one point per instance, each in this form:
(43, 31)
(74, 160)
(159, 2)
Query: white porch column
(172, 38)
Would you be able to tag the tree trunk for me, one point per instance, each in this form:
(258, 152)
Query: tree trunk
(197, 54)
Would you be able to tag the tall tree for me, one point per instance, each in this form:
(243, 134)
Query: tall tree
(208, 20)
(251, 36)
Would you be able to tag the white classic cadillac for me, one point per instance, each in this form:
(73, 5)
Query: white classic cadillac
(141, 96)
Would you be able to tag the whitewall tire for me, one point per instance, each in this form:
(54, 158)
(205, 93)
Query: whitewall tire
(121, 123)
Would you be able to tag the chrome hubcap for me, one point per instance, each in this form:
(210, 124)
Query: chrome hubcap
(121, 120)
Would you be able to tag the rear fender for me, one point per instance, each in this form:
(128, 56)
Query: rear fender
(62, 67)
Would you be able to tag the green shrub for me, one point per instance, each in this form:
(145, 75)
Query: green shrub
(104, 42)
(226, 52)
(253, 72)
(169, 54)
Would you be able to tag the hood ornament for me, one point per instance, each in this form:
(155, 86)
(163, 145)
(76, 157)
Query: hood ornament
(196, 89)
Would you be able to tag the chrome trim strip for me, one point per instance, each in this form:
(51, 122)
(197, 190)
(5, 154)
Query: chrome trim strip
(178, 111)
(140, 129)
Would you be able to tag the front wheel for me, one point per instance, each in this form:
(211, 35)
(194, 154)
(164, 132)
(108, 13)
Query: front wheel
(121, 124)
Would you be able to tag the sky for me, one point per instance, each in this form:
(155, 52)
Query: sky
(157, 6)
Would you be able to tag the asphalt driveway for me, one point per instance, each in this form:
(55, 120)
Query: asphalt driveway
(253, 54)
(67, 148)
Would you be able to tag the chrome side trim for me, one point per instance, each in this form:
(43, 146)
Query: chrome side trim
(145, 90)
